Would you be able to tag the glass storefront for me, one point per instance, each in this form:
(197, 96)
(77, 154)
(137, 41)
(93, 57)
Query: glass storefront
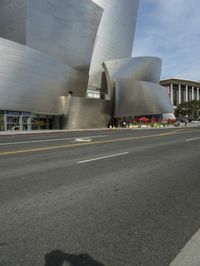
(14, 120)
(2, 128)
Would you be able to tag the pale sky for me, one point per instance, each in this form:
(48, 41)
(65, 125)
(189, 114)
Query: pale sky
(170, 30)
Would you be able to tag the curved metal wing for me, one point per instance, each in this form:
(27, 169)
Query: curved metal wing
(133, 83)
(32, 81)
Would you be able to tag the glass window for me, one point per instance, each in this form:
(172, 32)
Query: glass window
(35, 125)
(183, 93)
(93, 94)
(195, 93)
(2, 122)
(189, 93)
(13, 122)
(175, 95)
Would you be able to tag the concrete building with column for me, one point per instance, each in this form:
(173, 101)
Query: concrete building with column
(181, 90)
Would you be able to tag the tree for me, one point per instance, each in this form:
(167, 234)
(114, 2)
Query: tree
(191, 108)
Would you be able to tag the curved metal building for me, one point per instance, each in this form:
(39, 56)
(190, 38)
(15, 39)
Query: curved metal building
(65, 30)
(115, 35)
(32, 81)
(49, 49)
(133, 85)
(132, 89)
(13, 20)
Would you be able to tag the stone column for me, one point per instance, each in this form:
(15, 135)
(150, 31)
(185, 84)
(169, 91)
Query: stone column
(192, 92)
(179, 93)
(186, 92)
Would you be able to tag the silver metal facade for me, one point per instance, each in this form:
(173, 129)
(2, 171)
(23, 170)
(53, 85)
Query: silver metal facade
(87, 113)
(13, 20)
(32, 81)
(137, 68)
(135, 98)
(115, 35)
(60, 41)
(64, 29)
(133, 89)
(134, 85)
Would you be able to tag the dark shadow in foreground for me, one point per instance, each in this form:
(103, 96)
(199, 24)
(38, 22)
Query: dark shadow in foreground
(58, 257)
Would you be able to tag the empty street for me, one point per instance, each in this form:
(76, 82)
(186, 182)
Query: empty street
(100, 198)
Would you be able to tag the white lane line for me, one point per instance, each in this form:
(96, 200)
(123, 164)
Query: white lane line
(189, 255)
(104, 157)
(192, 139)
(48, 140)
(83, 139)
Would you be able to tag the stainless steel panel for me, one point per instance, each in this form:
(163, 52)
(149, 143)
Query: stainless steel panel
(140, 98)
(32, 81)
(115, 35)
(137, 68)
(87, 113)
(13, 20)
(133, 84)
(64, 29)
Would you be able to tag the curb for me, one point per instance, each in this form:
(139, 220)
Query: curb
(36, 132)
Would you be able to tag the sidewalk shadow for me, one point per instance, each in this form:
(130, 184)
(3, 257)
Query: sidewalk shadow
(58, 257)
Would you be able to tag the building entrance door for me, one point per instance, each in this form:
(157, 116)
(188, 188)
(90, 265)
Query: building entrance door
(13, 122)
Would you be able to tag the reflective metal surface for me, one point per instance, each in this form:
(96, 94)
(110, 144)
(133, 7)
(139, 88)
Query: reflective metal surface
(115, 35)
(137, 68)
(32, 81)
(63, 39)
(133, 83)
(64, 29)
(87, 113)
(140, 98)
(13, 20)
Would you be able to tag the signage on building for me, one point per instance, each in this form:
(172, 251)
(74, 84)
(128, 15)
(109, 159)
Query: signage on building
(16, 113)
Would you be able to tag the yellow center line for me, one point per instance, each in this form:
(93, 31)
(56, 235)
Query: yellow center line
(178, 131)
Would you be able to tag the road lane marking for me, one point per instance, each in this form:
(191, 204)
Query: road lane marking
(83, 139)
(173, 132)
(190, 254)
(103, 157)
(33, 141)
(48, 140)
(192, 139)
(94, 142)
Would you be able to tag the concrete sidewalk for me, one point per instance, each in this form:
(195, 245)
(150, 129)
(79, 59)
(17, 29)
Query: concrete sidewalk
(6, 133)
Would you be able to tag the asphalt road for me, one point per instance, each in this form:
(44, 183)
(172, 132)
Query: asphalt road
(98, 198)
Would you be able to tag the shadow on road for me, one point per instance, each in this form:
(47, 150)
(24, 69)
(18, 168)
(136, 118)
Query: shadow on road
(58, 257)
